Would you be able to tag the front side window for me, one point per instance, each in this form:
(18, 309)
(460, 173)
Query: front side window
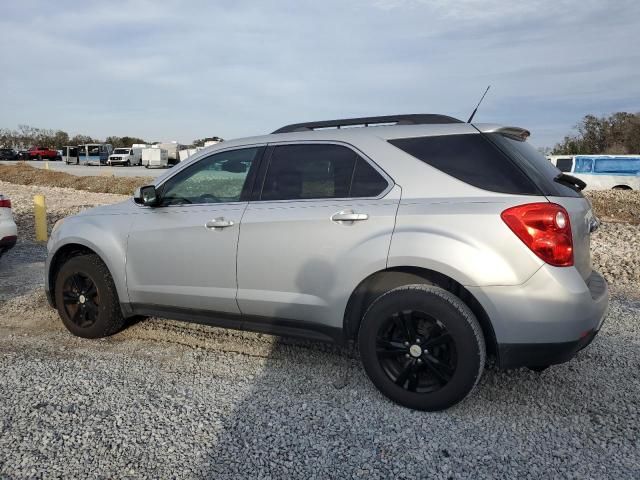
(564, 164)
(219, 178)
(317, 171)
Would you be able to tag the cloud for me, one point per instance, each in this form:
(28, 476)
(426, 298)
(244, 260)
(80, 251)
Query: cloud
(184, 70)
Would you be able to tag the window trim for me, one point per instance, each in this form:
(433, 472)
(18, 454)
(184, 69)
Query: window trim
(247, 187)
(256, 195)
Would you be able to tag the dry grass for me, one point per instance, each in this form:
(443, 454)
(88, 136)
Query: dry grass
(26, 175)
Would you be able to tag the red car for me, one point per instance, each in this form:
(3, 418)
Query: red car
(43, 153)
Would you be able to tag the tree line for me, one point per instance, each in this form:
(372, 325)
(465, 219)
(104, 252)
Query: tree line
(616, 134)
(26, 136)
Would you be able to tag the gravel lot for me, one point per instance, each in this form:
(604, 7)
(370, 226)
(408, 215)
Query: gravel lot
(167, 399)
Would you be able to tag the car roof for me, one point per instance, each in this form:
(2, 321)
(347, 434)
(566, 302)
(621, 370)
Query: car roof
(348, 135)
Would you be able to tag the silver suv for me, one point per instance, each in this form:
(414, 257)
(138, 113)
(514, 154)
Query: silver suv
(428, 242)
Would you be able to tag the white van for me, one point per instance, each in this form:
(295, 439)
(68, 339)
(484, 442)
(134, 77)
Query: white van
(601, 172)
(126, 157)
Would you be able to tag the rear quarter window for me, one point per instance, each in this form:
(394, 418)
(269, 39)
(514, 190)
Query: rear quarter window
(472, 159)
(538, 168)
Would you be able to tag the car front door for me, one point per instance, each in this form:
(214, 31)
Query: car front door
(182, 253)
(320, 222)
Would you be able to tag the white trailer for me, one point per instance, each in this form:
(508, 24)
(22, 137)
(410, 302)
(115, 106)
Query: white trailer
(172, 149)
(155, 157)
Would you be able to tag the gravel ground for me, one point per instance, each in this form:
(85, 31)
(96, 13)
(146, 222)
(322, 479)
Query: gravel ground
(168, 399)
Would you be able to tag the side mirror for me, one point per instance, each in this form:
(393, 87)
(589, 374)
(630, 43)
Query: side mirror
(146, 195)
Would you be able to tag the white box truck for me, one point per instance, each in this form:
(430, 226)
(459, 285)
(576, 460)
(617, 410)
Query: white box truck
(155, 158)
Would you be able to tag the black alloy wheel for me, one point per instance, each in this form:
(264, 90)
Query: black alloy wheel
(86, 297)
(81, 301)
(416, 351)
(422, 346)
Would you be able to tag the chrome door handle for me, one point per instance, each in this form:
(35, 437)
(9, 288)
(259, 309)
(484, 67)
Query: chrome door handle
(218, 223)
(349, 217)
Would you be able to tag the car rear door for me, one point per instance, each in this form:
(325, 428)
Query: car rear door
(320, 221)
(182, 253)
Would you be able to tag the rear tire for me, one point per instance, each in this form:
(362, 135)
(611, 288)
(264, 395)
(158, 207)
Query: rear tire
(39, 158)
(86, 298)
(422, 347)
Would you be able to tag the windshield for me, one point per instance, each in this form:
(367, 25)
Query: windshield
(122, 151)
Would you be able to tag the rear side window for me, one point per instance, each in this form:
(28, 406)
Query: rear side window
(538, 168)
(617, 165)
(472, 159)
(316, 171)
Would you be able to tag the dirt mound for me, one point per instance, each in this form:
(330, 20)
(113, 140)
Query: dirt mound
(26, 175)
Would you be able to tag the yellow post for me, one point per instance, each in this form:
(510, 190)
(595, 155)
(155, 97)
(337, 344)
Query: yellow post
(40, 211)
(46, 164)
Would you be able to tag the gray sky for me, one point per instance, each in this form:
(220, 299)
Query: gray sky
(179, 70)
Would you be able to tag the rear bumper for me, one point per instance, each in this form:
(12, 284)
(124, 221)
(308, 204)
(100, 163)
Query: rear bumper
(514, 355)
(546, 320)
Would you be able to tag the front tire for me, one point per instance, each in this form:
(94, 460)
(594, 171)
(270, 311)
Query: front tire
(422, 347)
(86, 298)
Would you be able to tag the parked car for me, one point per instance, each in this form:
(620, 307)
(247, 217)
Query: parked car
(8, 154)
(126, 157)
(8, 229)
(427, 242)
(43, 153)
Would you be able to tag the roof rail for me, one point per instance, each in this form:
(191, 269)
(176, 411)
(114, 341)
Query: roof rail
(414, 119)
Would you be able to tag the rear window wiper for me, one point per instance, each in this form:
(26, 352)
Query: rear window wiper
(570, 181)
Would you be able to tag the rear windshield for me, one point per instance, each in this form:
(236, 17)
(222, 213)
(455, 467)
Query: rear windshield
(535, 164)
(471, 158)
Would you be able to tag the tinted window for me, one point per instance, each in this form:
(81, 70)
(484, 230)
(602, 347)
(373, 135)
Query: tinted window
(541, 170)
(564, 164)
(215, 179)
(308, 171)
(367, 182)
(617, 165)
(472, 159)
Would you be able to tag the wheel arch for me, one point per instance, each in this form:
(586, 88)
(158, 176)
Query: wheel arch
(62, 255)
(621, 187)
(384, 280)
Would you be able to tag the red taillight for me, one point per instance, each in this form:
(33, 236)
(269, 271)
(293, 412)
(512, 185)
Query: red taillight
(545, 229)
(5, 202)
